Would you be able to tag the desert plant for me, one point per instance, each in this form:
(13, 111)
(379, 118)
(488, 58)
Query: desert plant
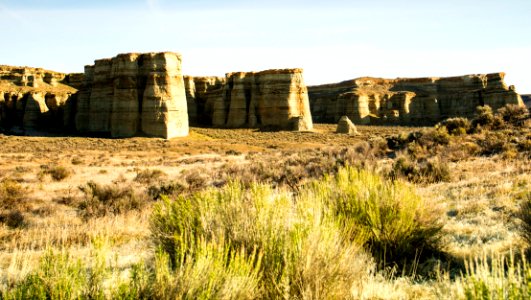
(13, 219)
(485, 119)
(496, 278)
(11, 194)
(392, 220)
(266, 234)
(57, 173)
(171, 188)
(525, 216)
(100, 200)
(514, 114)
(148, 176)
(426, 171)
(455, 126)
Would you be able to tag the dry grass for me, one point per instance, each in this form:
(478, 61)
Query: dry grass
(480, 201)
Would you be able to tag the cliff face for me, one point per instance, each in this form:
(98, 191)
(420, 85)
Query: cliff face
(34, 99)
(269, 99)
(134, 94)
(201, 95)
(409, 100)
(527, 100)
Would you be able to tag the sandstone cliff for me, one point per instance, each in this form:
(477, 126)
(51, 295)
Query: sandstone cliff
(33, 99)
(134, 94)
(201, 95)
(409, 100)
(276, 99)
(527, 100)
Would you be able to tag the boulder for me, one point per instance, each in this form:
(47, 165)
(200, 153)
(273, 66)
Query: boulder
(346, 126)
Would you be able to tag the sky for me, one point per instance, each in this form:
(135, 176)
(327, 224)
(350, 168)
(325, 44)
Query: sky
(331, 40)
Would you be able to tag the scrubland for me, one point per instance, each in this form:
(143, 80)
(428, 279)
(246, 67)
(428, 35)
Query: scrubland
(392, 213)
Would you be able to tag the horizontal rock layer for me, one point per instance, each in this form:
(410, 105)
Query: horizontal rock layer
(276, 99)
(133, 94)
(527, 100)
(409, 101)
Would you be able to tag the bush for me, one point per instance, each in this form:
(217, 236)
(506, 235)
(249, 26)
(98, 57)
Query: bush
(11, 194)
(494, 143)
(388, 216)
(514, 114)
(427, 171)
(485, 119)
(525, 216)
(167, 189)
(278, 246)
(148, 176)
(60, 276)
(57, 173)
(496, 278)
(13, 219)
(455, 126)
(100, 200)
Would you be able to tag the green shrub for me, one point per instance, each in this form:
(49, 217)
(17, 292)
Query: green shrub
(496, 278)
(100, 200)
(525, 216)
(61, 276)
(388, 215)
(279, 246)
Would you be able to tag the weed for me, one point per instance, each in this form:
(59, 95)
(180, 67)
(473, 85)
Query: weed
(525, 216)
(13, 219)
(496, 278)
(391, 219)
(100, 200)
(455, 126)
(427, 171)
(57, 173)
(149, 176)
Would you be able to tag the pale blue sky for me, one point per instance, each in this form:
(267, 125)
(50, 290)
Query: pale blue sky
(331, 40)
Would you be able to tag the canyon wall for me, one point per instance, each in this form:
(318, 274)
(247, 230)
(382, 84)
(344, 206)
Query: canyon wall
(134, 94)
(146, 94)
(527, 100)
(271, 99)
(409, 101)
(34, 99)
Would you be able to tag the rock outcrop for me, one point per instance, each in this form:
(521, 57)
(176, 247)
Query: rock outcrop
(133, 94)
(33, 99)
(275, 99)
(410, 101)
(201, 95)
(346, 126)
(527, 100)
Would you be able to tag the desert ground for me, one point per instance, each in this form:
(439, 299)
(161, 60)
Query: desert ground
(474, 189)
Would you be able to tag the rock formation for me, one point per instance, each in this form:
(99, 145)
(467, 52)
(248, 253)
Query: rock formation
(409, 100)
(276, 99)
(146, 94)
(134, 94)
(201, 94)
(527, 100)
(33, 99)
(345, 125)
